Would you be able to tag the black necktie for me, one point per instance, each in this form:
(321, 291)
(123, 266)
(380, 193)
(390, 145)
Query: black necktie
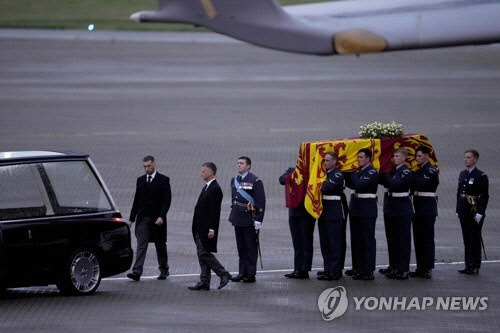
(149, 179)
(238, 179)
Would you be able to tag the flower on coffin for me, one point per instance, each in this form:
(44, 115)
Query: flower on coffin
(378, 130)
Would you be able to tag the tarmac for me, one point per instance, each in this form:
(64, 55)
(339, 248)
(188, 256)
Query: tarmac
(197, 97)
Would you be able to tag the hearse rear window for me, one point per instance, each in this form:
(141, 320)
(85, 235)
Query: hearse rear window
(76, 188)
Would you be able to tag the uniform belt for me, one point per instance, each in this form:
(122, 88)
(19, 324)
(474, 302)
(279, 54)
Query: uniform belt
(398, 194)
(239, 204)
(332, 197)
(365, 195)
(469, 196)
(424, 194)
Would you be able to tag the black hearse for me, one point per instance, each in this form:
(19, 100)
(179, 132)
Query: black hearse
(58, 223)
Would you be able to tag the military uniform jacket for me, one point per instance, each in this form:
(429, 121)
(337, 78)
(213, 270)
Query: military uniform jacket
(364, 181)
(398, 181)
(299, 210)
(207, 215)
(153, 200)
(425, 179)
(239, 215)
(333, 185)
(475, 184)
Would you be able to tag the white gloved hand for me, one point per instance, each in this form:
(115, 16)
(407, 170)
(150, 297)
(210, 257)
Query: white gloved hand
(257, 225)
(478, 218)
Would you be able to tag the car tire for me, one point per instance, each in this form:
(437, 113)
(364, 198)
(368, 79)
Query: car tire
(81, 273)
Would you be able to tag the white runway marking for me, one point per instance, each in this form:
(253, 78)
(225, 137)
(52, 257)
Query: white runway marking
(472, 125)
(289, 270)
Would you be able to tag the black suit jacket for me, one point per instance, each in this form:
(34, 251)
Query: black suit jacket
(207, 215)
(153, 200)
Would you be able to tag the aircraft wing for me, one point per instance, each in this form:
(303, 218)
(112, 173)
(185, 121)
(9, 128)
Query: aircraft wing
(340, 27)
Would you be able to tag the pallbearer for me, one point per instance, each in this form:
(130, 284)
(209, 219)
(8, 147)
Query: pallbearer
(425, 183)
(363, 214)
(398, 211)
(302, 231)
(331, 220)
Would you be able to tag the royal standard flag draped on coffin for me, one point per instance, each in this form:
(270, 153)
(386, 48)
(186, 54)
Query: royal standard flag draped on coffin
(304, 184)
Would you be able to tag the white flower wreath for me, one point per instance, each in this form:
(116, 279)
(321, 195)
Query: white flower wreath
(378, 130)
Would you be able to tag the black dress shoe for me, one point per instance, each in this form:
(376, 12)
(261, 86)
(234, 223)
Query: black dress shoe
(200, 286)
(134, 276)
(385, 270)
(301, 275)
(417, 273)
(426, 274)
(224, 280)
(364, 276)
(401, 276)
(291, 275)
(396, 275)
(163, 276)
(237, 278)
(249, 279)
(421, 274)
(350, 272)
(470, 271)
(325, 277)
(319, 273)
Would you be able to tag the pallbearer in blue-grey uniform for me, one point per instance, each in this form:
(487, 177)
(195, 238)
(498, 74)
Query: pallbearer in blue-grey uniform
(472, 199)
(424, 186)
(331, 219)
(363, 214)
(247, 193)
(302, 231)
(398, 211)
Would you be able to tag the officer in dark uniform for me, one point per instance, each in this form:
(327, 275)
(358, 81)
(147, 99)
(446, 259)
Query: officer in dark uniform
(398, 211)
(302, 231)
(472, 199)
(331, 220)
(363, 214)
(425, 183)
(247, 213)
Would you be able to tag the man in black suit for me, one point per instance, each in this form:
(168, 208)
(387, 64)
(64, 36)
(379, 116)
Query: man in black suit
(206, 229)
(472, 199)
(151, 203)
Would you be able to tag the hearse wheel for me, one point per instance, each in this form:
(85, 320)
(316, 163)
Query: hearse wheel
(82, 273)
